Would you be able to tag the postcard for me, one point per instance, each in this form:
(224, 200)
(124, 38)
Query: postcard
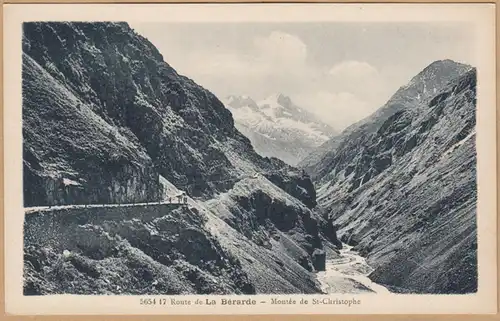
(250, 159)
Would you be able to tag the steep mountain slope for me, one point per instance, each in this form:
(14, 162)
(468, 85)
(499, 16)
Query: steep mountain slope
(277, 127)
(106, 120)
(413, 95)
(402, 185)
(163, 249)
(71, 155)
(152, 250)
(109, 78)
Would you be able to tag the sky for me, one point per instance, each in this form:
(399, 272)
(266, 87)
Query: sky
(340, 71)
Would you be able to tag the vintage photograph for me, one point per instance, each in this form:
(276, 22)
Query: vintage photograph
(255, 159)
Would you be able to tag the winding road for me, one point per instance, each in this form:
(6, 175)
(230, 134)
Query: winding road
(29, 210)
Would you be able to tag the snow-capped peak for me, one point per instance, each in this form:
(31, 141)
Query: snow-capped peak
(273, 101)
(239, 101)
(292, 130)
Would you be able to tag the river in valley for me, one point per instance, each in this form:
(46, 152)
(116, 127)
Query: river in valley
(348, 274)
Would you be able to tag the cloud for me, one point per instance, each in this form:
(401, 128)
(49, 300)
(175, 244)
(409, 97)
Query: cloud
(357, 77)
(224, 64)
(279, 62)
(361, 80)
(339, 109)
(339, 71)
(280, 48)
(353, 70)
(274, 63)
(277, 51)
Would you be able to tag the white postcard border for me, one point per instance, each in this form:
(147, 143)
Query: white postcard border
(482, 16)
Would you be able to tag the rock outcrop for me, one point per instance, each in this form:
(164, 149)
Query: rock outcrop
(162, 249)
(259, 211)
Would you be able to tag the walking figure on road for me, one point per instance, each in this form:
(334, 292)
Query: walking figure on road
(181, 197)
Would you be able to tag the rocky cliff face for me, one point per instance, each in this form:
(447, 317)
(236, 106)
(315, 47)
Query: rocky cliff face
(104, 113)
(277, 127)
(402, 184)
(106, 120)
(73, 156)
(269, 218)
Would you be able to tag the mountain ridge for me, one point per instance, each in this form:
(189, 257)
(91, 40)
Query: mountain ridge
(411, 95)
(401, 185)
(277, 127)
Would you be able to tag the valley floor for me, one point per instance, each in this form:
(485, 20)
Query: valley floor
(348, 274)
